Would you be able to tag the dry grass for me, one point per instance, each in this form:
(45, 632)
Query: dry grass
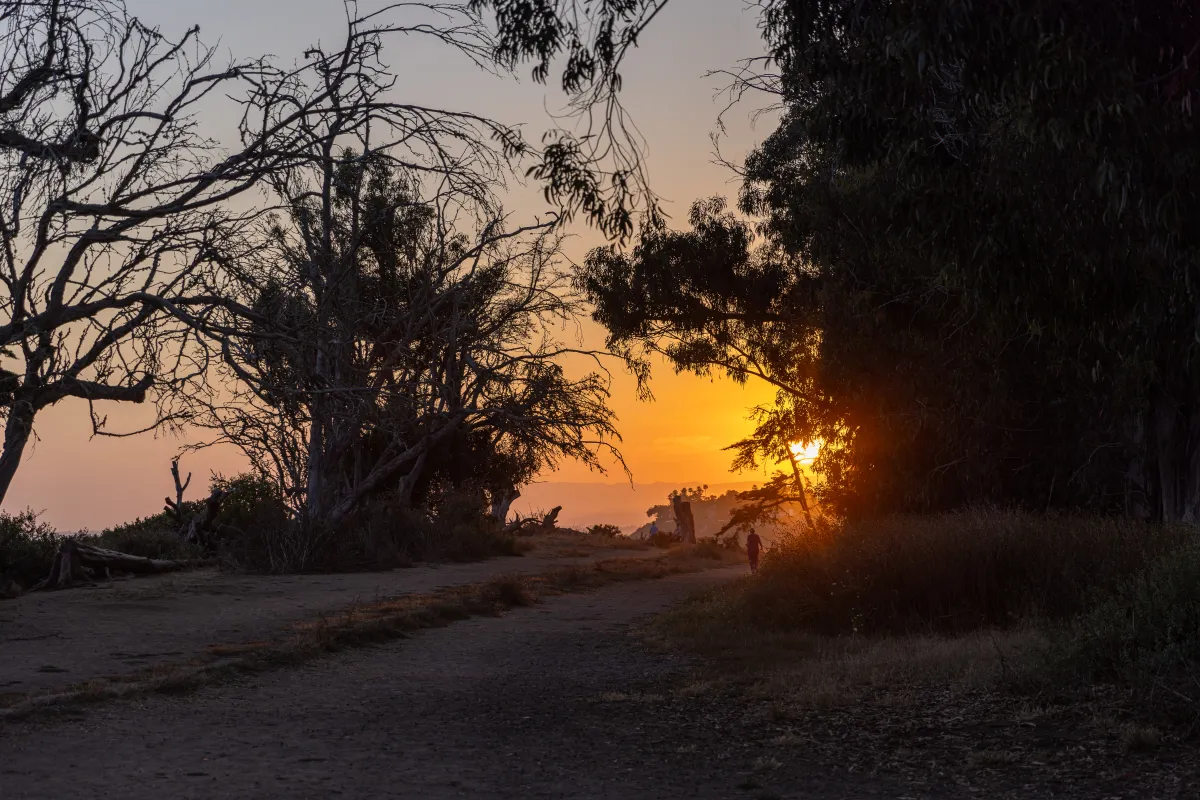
(812, 670)
(1137, 738)
(767, 764)
(957, 603)
(360, 625)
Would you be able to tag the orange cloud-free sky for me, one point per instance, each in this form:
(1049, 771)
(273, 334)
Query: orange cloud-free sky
(83, 482)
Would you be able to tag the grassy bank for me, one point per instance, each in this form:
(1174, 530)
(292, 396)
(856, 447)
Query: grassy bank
(968, 602)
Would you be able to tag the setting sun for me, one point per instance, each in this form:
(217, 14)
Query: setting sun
(806, 453)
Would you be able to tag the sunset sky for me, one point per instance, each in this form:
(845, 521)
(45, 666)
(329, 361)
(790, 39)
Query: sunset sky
(80, 482)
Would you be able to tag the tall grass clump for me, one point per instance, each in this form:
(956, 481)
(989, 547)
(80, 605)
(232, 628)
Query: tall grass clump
(949, 573)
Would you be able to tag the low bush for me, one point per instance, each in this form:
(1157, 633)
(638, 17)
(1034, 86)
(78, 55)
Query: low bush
(27, 548)
(663, 539)
(385, 535)
(949, 573)
(150, 537)
(711, 548)
(610, 531)
(1147, 627)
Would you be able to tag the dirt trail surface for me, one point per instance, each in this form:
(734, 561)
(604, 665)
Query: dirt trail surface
(561, 700)
(549, 701)
(53, 640)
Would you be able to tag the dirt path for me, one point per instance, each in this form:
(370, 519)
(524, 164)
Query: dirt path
(52, 640)
(552, 701)
(561, 700)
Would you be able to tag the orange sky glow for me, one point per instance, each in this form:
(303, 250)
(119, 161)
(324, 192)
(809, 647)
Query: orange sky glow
(82, 482)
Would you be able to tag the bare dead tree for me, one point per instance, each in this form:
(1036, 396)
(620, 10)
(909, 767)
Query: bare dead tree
(174, 508)
(405, 333)
(114, 205)
(116, 222)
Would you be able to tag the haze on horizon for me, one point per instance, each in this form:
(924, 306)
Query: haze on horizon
(81, 482)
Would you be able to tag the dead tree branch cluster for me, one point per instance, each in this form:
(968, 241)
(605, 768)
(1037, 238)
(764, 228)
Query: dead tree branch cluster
(339, 293)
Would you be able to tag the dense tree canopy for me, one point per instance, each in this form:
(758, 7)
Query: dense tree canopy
(975, 276)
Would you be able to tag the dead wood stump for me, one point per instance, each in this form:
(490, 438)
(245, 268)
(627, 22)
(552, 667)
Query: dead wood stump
(79, 564)
(532, 525)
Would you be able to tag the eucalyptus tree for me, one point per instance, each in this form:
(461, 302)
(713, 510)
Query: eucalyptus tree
(419, 327)
(981, 220)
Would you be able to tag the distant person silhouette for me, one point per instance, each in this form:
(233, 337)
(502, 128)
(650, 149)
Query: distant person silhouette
(753, 548)
(653, 530)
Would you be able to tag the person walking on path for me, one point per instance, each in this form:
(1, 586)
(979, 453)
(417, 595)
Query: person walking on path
(753, 548)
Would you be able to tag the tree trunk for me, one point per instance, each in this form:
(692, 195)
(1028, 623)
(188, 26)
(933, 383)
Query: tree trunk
(1165, 430)
(1189, 484)
(16, 436)
(501, 503)
(1137, 480)
(530, 525)
(409, 482)
(685, 523)
(800, 488)
(314, 487)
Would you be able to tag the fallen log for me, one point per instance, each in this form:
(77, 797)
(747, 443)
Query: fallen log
(530, 525)
(77, 564)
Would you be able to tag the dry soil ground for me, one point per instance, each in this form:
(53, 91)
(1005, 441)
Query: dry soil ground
(560, 700)
(49, 641)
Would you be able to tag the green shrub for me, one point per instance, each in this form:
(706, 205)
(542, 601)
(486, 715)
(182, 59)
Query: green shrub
(458, 530)
(1147, 626)
(384, 535)
(250, 501)
(149, 537)
(27, 549)
(948, 572)
(611, 531)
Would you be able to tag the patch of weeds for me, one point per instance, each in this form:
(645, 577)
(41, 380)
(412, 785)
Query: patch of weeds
(572, 553)
(767, 764)
(1140, 738)
(777, 712)
(27, 548)
(508, 591)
